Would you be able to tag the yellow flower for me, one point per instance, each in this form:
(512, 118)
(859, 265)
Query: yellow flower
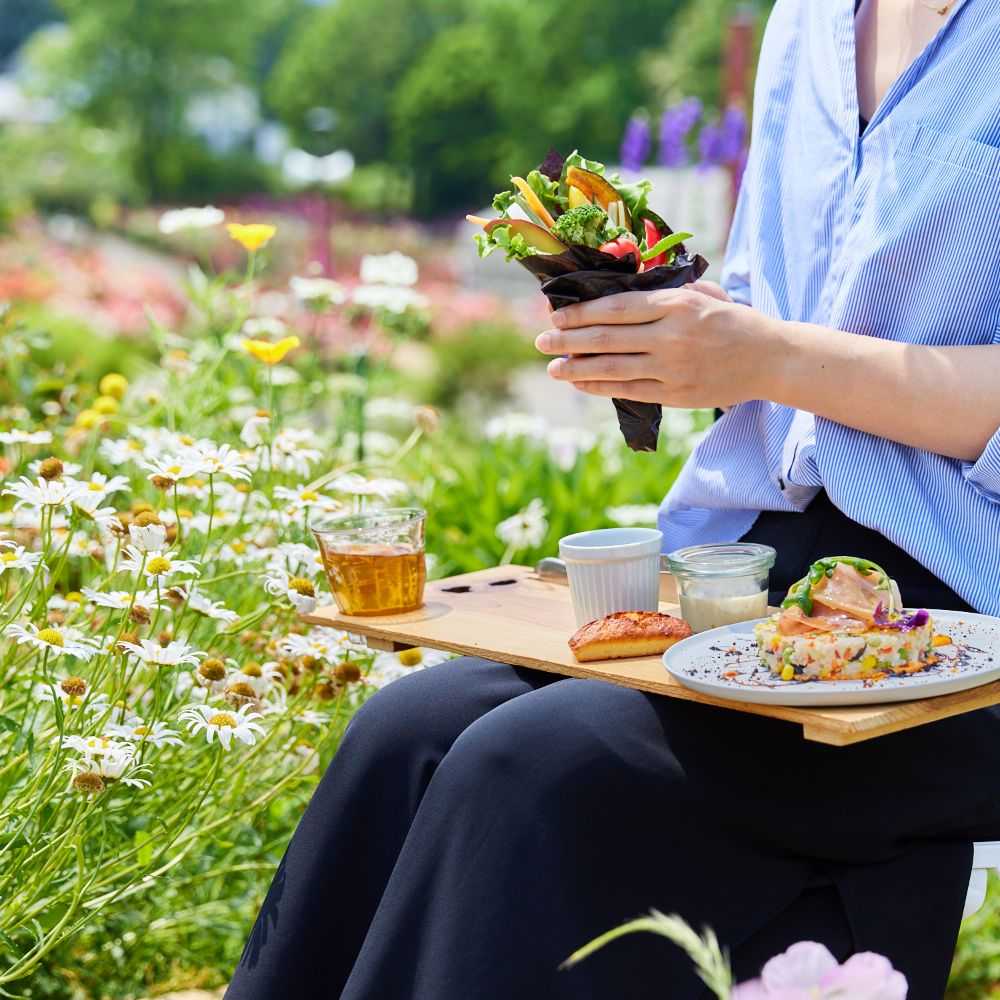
(270, 353)
(114, 385)
(250, 236)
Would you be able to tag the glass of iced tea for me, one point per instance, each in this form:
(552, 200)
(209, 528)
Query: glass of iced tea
(374, 560)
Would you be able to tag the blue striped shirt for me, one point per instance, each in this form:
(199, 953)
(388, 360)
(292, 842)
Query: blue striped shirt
(894, 233)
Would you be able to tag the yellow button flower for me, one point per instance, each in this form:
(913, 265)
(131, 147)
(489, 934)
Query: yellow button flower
(250, 236)
(269, 353)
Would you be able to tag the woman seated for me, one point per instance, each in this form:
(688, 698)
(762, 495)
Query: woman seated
(480, 822)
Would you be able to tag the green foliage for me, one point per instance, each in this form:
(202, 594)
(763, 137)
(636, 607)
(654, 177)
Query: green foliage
(975, 973)
(64, 166)
(451, 148)
(134, 68)
(465, 94)
(478, 364)
(690, 64)
(350, 58)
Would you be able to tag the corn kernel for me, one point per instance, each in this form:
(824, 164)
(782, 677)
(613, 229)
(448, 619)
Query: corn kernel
(788, 672)
(868, 662)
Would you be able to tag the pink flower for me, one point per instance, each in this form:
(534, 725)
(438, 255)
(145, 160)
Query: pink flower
(807, 971)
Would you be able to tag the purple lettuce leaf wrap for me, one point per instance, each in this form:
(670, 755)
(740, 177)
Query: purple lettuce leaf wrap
(582, 273)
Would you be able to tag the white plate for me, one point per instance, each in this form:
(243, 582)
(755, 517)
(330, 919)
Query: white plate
(973, 658)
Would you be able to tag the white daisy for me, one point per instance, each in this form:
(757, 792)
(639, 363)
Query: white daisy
(299, 559)
(165, 656)
(388, 667)
(171, 469)
(393, 268)
(94, 746)
(148, 537)
(178, 220)
(210, 459)
(68, 468)
(57, 640)
(302, 498)
(158, 563)
(19, 558)
(307, 757)
(260, 676)
(119, 451)
(98, 482)
(71, 692)
(57, 493)
(203, 606)
(308, 717)
(358, 485)
(317, 291)
(94, 774)
(392, 298)
(239, 552)
(300, 592)
(88, 504)
(121, 599)
(321, 643)
(291, 452)
(255, 429)
(527, 528)
(223, 724)
(17, 436)
(138, 731)
(82, 546)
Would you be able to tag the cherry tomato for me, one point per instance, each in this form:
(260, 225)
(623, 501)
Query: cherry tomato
(622, 246)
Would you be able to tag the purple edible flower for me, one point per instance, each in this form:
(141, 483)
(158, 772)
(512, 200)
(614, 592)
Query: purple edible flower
(905, 623)
(675, 127)
(636, 143)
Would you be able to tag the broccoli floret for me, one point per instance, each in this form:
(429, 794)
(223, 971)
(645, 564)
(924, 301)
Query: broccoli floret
(585, 225)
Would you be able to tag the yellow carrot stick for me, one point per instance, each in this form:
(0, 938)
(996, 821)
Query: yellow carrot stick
(478, 221)
(533, 201)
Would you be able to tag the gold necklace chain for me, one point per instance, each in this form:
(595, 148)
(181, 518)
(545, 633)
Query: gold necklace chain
(943, 10)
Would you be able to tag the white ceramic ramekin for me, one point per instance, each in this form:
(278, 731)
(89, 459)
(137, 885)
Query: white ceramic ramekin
(612, 569)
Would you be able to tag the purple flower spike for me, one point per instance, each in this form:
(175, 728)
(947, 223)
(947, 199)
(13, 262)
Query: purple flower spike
(905, 623)
(636, 143)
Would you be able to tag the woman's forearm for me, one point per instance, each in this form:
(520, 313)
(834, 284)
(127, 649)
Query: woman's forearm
(940, 399)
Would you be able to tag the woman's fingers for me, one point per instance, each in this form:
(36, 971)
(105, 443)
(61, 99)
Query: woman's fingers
(639, 390)
(596, 340)
(625, 307)
(601, 367)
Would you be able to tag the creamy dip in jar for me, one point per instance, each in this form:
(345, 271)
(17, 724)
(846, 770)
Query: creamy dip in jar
(721, 583)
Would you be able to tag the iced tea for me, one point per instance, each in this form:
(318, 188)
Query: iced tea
(374, 560)
(375, 580)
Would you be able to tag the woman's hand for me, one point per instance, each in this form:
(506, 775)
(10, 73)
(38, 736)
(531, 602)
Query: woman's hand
(692, 347)
(688, 347)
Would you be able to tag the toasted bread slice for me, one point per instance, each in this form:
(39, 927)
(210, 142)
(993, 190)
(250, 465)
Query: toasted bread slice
(627, 633)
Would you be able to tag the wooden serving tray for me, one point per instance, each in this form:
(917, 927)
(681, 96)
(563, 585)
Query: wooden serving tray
(508, 614)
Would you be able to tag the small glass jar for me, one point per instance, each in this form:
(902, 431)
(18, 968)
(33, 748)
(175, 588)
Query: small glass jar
(721, 583)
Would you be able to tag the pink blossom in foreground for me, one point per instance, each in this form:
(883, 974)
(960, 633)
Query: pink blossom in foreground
(807, 971)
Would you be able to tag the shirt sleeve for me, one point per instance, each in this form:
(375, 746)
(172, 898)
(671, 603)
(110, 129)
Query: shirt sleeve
(984, 473)
(736, 267)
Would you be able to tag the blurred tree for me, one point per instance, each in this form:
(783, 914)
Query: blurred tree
(689, 65)
(464, 93)
(135, 67)
(19, 18)
(443, 119)
(334, 81)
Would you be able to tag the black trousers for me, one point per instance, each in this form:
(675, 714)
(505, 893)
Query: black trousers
(480, 822)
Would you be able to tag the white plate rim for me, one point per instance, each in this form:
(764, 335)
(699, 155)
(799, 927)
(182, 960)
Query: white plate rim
(833, 693)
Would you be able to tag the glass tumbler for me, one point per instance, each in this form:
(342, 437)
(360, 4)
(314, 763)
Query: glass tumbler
(374, 560)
